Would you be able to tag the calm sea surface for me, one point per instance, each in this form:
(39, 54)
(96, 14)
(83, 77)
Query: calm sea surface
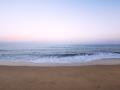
(56, 53)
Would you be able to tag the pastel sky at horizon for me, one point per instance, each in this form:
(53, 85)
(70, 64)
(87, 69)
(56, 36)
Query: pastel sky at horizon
(60, 20)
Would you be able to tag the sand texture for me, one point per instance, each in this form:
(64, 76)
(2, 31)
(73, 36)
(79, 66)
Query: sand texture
(94, 77)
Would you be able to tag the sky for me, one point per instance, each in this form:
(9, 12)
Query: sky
(83, 21)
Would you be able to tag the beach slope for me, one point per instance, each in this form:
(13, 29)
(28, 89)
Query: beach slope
(93, 77)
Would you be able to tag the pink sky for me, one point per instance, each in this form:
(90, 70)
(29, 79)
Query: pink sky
(59, 21)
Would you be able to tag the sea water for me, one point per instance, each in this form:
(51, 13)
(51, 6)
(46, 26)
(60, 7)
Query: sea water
(56, 53)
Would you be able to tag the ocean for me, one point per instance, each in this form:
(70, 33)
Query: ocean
(56, 53)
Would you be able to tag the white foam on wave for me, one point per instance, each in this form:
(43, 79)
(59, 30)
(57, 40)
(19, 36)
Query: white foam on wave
(75, 59)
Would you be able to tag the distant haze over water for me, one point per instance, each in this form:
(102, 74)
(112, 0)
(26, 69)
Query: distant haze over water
(84, 21)
(59, 31)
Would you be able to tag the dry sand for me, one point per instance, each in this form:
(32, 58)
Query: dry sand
(93, 77)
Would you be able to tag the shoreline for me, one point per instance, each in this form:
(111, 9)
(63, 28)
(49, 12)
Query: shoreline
(96, 75)
(114, 61)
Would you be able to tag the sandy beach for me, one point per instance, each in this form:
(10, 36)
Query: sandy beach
(89, 77)
(59, 44)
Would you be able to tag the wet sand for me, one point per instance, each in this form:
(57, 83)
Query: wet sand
(92, 77)
(107, 61)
